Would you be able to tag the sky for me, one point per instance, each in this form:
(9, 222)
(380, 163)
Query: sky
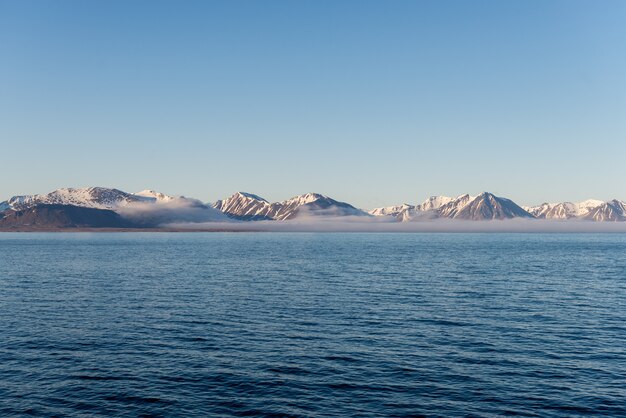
(370, 102)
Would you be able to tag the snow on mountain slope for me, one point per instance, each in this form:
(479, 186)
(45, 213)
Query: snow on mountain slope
(450, 209)
(584, 207)
(314, 204)
(612, 211)
(155, 206)
(246, 206)
(485, 206)
(146, 208)
(406, 212)
(391, 210)
(400, 213)
(433, 202)
(91, 197)
(565, 210)
(158, 197)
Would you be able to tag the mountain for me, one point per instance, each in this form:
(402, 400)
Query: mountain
(594, 210)
(612, 211)
(148, 208)
(485, 206)
(314, 204)
(250, 207)
(143, 209)
(245, 207)
(92, 197)
(158, 197)
(406, 212)
(44, 216)
(391, 210)
(433, 202)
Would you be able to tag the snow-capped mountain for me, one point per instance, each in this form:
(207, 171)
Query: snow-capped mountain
(314, 204)
(595, 210)
(157, 196)
(143, 209)
(611, 211)
(406, 212)
(247, 206)
(485, 206)
(391, 210)
(91, 197)
(152, 209)
(433, 202)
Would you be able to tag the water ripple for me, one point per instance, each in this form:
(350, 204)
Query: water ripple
(312, 325)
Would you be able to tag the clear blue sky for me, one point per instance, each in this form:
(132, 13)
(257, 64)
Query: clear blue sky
(374, 103)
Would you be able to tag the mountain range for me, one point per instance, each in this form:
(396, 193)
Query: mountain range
(101, 207)
(485, 206)
(250, 207)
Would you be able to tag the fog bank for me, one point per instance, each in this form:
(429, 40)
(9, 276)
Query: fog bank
(361, 224)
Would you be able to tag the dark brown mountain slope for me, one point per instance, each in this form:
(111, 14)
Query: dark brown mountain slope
(61, 216)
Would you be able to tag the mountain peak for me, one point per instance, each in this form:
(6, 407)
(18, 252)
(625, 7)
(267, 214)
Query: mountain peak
(244, 206)
(303, 199)
(485, 206)
(249, 207)
(587, 209)
(433, 202)
(249, 196)
(400, 212)
(157, 196)
(93, 197)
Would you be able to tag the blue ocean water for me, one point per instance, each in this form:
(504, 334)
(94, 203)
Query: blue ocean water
(259, 324)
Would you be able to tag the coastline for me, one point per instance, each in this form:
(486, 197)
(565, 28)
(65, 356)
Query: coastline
(152, 230)
(436, 227)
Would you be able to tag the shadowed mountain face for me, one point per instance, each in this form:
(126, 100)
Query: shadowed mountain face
(250, 207)
(61, 216)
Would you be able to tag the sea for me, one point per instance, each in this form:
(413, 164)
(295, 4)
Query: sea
(312, 324)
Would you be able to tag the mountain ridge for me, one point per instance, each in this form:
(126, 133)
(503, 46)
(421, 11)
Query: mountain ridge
(150, 208)
(250, 207)
(62, 216)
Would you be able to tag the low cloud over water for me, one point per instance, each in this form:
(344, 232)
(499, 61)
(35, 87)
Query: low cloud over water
(361, 224)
